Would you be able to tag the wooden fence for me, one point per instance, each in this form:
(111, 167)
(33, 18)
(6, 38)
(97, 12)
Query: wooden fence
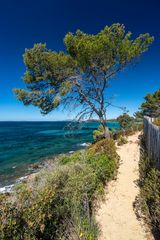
(152, 140)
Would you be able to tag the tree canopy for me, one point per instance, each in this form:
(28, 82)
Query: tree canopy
(151, 106)
(125, 120)
(78, 78)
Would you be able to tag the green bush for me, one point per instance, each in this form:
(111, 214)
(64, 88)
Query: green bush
(157, 122)
(104, 167)
(137, 127)
(67, 158)
(44, 210)
(149, 198)
(128, 131)
(58, 202)
(98, 134)
(101, 156)
(106, 146)
(122, 140)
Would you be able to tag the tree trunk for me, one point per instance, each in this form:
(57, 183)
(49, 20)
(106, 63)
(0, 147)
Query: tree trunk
(106, 130)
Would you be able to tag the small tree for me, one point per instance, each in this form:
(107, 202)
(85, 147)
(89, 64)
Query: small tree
(125, 120)
(151, 106)
(79, 77)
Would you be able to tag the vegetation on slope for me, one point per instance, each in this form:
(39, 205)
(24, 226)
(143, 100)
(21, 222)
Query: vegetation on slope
(150, 191)
(157, 122)
(58, 203)
(132, 129)
(122, 140)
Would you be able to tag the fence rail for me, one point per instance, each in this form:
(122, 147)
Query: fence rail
(152, 140)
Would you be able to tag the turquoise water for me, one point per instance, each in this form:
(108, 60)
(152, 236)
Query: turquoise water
(25, 143)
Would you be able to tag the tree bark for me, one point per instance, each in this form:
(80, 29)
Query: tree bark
(106, 130)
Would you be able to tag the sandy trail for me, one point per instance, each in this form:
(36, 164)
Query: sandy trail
(116, 216)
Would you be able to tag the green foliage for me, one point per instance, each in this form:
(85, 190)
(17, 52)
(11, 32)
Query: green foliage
(58, 202)
(105, 49)
(157, 122)
(76, 156)
(104, 167)
(137, 127)
(45, 211)
(122, 140)
(145, 164)
(125, 120)
(101, 156)
(151, 106)
(80, 75)
(149, 198)
(45, 77)
(150, 194)
(98, 133)
(134, 127)
(106, 146)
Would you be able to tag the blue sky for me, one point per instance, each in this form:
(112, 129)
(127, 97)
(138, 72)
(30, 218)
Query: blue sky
(23, 23)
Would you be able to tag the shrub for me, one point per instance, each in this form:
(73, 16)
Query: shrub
(157, 122)
(137, 127)
(104, 166)
(43, 212)
(106, 146)
(122, 140)
(58, 202)
(104, 162)
(98, 134)
(128, 131)
(149, 197)
(67, 158)
(145, 163)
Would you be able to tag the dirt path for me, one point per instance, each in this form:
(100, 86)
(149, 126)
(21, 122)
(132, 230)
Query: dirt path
(116, 216)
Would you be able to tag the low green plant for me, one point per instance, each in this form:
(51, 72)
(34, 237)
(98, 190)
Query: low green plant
(127, 131)
(98, 134)
(122, 140)
(149, 198)
(106, 146)
(103, 165)
(58, 203)
(157, 122)
(137, 127)
(44, 211)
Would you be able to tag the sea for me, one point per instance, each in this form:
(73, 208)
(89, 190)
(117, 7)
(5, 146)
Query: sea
(23, 144)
